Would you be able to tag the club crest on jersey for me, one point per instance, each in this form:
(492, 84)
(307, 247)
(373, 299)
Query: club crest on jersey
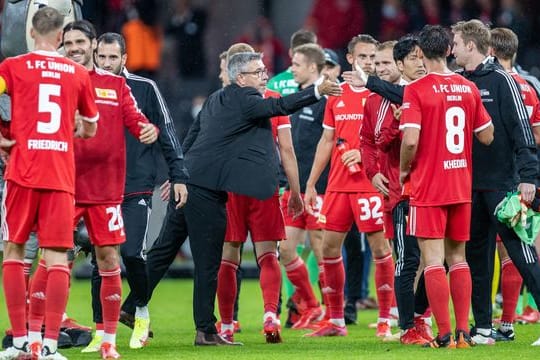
(106, 94)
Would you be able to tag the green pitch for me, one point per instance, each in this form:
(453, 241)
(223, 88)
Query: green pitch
(172, 323)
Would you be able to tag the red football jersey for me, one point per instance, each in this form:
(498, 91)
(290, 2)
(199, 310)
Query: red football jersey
(378, 155)
(278, 122)
(446, 108)
(101, 160)
(344, 115)
(46, 89)
(530, 99)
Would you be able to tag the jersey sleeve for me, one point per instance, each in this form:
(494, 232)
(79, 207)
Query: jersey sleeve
(87, 104)
(328, 119)
(412, 114)
(131, 113)
(283, 122)
(367, 140)
(5, 73)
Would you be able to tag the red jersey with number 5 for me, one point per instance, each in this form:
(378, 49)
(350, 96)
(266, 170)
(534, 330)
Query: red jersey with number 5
(46, 89)
(447, 109)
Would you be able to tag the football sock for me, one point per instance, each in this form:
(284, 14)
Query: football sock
(270, 280)
(461, 289)
(55, 304)
(438, 294)
(334, 284)
(226, 290)
(111, 297)
(37, 296)
(384, 283)
(511, 282)
(298, 275)
(15, 293)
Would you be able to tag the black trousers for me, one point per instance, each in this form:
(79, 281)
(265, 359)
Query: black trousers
(353, 265)
(407, 262)
(136, 214)
(480, 253)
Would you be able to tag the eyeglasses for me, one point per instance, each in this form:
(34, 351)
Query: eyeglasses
(259, 72)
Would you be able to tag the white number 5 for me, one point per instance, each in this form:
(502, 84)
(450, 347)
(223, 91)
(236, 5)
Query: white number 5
(45, 105)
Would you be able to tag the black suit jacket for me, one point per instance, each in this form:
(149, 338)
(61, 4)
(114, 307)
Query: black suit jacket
(230, 146)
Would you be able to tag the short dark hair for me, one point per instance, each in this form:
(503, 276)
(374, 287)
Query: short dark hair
(112, 38)
(314, 54)
(434, 42)
(362, 38)
(302, 37)
(83, 26)
(47, 20)
(504, 43)
(404, 47)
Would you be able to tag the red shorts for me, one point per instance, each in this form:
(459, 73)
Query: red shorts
(304, 221)
(439, 222)
(340, 209)
(48, 212)
(262, 218)
(388, 225)
(104, 223)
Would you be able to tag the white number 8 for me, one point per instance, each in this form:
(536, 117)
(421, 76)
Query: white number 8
(45, 105)
(455, 131)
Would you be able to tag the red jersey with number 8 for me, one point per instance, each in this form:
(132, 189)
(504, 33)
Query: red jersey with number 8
(447, 109)
(46, 89)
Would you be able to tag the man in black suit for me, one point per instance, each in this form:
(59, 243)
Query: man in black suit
(230, 148)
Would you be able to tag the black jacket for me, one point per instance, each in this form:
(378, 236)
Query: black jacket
(511, 157)
(230, 146)
(141, 159)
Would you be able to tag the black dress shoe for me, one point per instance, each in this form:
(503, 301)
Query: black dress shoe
(204, 339)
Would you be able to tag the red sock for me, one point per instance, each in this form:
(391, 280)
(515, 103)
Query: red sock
(111, 298)
(334, 274)
(57, 293)
(99, 326)
(384, 283)
(298, 276)
(461, 290)
(438, 294)
(511, 282)
(226, 290)
(270, 279)
(37, 296)
(27, 271)
(15, 293)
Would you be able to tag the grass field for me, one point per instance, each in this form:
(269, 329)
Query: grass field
(172, 323)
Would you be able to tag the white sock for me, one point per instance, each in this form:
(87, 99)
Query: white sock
(51, 344)
(64, 317)
(142, 312)
(225, 327)
(394, 312)
(34, 336)
(338, 322)
(19, 341)
(271, 315)
(109, 338)
(100, 333)
(485, 332)
(380, 320)
(428, 321)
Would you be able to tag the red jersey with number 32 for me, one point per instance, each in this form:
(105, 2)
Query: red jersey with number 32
(46, 89)
(344, 114)
(446, 108)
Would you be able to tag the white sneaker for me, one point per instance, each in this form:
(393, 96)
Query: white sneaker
(139, 337)
(13, 353)
(481, 339)
(94, 345)
(536, 343)
(46, 354)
